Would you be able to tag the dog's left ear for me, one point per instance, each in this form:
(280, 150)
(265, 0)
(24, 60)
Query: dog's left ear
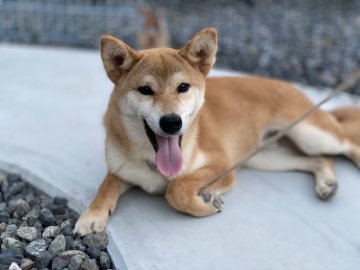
(200, 50)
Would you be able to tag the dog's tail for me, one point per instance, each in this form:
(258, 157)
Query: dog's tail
(349, 119)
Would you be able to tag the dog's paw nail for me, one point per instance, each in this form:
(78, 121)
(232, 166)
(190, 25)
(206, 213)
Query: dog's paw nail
(218, 203)
(220, 199)
(206, 197)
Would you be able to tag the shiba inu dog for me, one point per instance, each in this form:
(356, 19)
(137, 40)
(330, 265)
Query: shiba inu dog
(169, 130)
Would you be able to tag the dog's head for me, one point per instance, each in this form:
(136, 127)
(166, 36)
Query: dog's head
(163, 88)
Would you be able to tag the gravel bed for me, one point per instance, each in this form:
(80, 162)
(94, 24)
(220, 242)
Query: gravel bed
(36, 232)
(311, 42)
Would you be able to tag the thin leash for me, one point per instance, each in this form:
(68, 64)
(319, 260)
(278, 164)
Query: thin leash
(343, 86)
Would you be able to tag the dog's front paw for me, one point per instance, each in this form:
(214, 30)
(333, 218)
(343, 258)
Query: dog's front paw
(212, 199)
(91, 221)
(198, 205)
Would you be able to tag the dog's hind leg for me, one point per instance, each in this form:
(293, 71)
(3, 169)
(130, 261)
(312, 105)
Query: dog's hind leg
(349, 120)
(95, 218)
(321, 134)
(279, 157)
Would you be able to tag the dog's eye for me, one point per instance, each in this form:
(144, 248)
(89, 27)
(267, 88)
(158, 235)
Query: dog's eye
(183, 87)
(146, 90)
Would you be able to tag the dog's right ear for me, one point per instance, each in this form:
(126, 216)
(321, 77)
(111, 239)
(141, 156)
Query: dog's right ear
(117, 57)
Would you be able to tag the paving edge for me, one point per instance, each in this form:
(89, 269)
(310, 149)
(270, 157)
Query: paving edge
(52, 191)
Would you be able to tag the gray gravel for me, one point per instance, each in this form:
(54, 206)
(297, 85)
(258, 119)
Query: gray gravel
(75, 262)
(313, 42)
(38, 234)
(51, 231)
(27, 233)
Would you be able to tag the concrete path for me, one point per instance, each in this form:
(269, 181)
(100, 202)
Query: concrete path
(51, 105)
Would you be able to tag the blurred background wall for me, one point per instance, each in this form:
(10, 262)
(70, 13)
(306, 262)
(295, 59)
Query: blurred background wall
(311, 41)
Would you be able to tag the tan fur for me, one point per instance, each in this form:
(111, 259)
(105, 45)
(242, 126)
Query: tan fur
(235, 118)
(349, 119)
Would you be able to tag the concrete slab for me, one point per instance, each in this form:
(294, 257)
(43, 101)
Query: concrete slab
(51, 104)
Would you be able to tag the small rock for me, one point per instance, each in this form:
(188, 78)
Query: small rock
(23, 224)
(36, 247)
(3, 206)
(66, 255)
(60, 201)
(29, 198)
(69, 242)
(45, 201)
(51, 231)
(58, 245)
(15, 221)
(2, 227)
(75, 262)
(99, 240)
(43, 259)
(9, 256)
(105, 261)
(48, 240)
(59, 264)
(46, 217)
(32, 216)
(21, 207)
(94, 253)
(14, 189)
(70, 214)
(89, 265)
(10, 243)
(38, 225)
(78, 245)
(67, 223)
(59, 219)
(9, 231)
(14, 266)
(68, 231)
(12, 177)
(27, 233)
(4, 217)
(57, 209)
(26, 264)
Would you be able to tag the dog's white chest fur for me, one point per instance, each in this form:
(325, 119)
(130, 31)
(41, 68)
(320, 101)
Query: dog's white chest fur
(138, 170)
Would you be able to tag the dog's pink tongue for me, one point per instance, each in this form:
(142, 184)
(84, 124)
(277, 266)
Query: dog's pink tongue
(169, 158)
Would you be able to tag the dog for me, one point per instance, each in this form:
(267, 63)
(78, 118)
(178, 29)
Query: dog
(167, 134)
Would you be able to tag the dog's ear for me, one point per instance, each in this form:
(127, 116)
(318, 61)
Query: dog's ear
(200, 50)
(117, 57)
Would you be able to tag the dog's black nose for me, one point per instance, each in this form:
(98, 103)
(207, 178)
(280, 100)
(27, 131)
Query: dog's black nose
(170, 123)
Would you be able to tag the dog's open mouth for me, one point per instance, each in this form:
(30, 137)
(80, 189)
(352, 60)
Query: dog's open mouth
(168, 158)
